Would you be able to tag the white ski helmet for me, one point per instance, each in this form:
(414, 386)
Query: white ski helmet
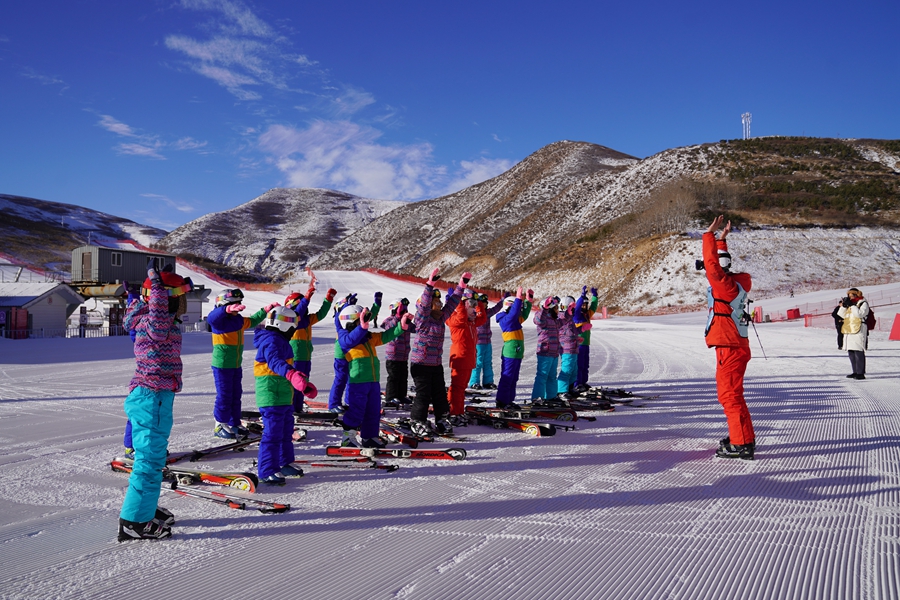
(281, 319)
(508, 302)
(230, 296)
(724, 259)
(550, 302)
(566, 302)
(349, 315)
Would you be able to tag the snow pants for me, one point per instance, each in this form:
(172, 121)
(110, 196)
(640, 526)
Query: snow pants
(304, 367)
(509, 378)
(276, 447)
(364, 409)
(460, 372)
(126, 439)
(545, 377)
(857, 361)
(397, 386)
(568, 373)
(339, 385)
(584, 365)
(150, 414)
(430, 390)
(484, 370)
(731, 364)
(229, 390)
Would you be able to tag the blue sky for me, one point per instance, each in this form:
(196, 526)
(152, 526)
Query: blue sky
(162, 111)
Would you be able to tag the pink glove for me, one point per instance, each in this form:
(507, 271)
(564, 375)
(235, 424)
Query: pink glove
(586, 326)
(364, 319)
(519, 293)
(405, 320)
(464, 280)
(302, 384)
(271, 306)
(435, 275)
(530, 295)
(235, 308)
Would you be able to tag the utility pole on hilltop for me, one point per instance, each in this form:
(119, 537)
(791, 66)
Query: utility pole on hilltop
(745, 119)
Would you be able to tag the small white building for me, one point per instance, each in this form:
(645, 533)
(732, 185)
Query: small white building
(49, 305)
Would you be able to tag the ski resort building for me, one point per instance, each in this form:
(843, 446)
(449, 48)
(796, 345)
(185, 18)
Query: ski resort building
(37, 307)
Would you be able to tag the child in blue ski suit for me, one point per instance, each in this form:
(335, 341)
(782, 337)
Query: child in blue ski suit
(227, 327)
(510, 320)
(276, 379)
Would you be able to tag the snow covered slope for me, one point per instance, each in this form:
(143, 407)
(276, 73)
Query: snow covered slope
(632, 505)
(277, 233)
(44, 234)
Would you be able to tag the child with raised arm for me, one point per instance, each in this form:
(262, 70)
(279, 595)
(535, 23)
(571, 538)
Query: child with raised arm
(483, 373)
(396, 354)
(426, 366)
(276, 380)
(301, 342)
(228, 326)
(363, 414)
(584, 312)
(547, 350)
(463, 323)
(568, 347)
(510, 318)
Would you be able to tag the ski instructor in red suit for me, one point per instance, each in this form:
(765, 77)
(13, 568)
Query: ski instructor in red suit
(726, 331)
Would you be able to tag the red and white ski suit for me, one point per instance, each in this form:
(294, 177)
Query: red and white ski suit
(732, 349)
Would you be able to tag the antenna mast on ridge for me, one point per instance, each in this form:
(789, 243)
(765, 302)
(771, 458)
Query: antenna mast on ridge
(745, 119)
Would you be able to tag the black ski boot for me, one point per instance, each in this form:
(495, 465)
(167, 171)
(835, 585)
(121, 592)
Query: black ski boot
(151, 530)
(742, 451)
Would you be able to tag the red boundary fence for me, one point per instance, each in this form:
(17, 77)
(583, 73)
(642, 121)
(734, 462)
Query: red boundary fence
(493, 295)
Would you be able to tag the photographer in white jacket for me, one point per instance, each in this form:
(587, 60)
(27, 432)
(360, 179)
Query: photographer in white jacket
(854, 310)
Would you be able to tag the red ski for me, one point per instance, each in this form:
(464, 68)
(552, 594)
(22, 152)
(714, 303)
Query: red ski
(443, 454)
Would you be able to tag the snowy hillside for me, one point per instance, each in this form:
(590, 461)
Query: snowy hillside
(545, 226)
(44, 233)
(277, 233)
(484, 222)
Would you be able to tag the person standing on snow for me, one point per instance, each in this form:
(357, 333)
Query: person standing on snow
(301, 342)
(276, 379)
(483, 373)
(228, 326)
(363, 415)
(396, 355)
(584, 312)
(463, 324)
(726, 331)
(510, 319)
(545, 376)
(157, 378)
(341, 367)
(426, 365)
(568, 347)
(854, 310)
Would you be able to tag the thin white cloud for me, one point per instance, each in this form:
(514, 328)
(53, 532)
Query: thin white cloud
(238, 18)
(115, 126)
(352, 101)
(44, 79)
(149, 146)
(496, 137)
(140, 150)
(188, 143)
(169, 202)
(346, 156)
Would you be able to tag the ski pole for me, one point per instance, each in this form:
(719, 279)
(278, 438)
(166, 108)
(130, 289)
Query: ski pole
(759, 340)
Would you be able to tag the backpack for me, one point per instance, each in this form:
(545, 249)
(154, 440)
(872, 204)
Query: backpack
(870, 320)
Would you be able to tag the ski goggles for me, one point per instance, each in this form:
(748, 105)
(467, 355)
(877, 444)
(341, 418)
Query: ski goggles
(180, 290)
(230, 296)
(285, 318)
(292, 303)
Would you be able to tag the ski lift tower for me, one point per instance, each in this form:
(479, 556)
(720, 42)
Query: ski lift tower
(745, 119)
